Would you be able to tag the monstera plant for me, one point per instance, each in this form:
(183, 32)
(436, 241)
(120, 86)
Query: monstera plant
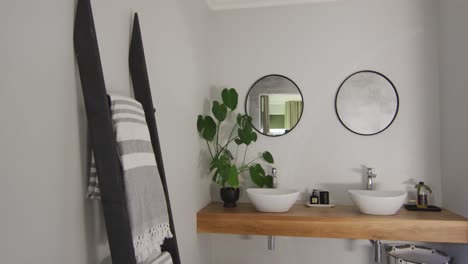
(228, 154)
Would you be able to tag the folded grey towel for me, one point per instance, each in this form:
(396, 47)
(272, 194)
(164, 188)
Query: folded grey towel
(146, 201)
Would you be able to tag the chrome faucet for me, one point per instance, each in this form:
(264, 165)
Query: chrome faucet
(272, 239)
(370, 179)
(275, 180)
(377, 244)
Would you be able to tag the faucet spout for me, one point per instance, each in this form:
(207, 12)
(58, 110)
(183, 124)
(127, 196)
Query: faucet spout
(370, 179)
(275, 179)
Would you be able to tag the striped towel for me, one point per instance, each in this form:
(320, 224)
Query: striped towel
(146, 201)
(93, 183)
(164, 258)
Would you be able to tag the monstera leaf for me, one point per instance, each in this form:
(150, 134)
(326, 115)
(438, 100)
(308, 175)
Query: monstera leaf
(206, 127)
(245, 131)
(219, 111)
(244, 120)
(230, 98)
(268, 157)
(225, 172)
(268, 181)
(257, 174)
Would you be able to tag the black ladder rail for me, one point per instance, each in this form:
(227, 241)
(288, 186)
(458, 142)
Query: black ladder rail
(142, 91)
(102, 136)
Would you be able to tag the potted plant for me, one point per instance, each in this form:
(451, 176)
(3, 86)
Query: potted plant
(228, 154)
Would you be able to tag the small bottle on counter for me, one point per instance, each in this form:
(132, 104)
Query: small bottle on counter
(422, 194)
(314, 198)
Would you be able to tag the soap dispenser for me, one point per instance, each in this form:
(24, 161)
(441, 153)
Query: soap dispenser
(422, 194)
(314, 198)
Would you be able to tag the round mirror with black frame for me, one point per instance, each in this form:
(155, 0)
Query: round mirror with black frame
(275, 104)
(367, 103)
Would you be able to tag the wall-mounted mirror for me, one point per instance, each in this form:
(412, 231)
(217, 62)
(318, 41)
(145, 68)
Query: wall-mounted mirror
(275, 104)
(367, 103)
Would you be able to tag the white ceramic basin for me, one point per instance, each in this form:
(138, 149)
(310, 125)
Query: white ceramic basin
(272, 200)
(378, 202)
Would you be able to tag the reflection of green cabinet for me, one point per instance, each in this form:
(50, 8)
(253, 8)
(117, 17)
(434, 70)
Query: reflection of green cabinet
(293, 113)
(277, 121)
(281, 114)
(275, 104)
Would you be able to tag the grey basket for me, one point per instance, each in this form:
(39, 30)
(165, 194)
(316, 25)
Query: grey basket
(411, 254)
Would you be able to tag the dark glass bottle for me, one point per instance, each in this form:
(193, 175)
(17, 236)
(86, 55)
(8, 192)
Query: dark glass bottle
(314, 198)
(422, 194)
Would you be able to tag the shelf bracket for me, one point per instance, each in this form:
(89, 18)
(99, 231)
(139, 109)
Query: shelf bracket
(271, 243)
(377, 244)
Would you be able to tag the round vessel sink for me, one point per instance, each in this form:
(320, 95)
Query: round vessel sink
(272, 200)
(378, 202)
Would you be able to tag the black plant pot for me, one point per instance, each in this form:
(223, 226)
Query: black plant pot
(230, 196)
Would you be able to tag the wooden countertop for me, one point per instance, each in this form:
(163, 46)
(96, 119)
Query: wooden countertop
(342, 221)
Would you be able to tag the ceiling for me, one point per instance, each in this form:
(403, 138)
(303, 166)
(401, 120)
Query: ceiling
(237, 4)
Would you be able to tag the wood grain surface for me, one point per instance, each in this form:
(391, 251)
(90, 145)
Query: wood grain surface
(342, 221)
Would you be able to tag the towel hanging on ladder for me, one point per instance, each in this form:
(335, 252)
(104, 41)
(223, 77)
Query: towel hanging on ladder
(143, 188)
(108, 164)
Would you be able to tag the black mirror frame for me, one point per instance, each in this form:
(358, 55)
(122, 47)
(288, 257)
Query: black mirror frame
(394, 89)
(300, 92)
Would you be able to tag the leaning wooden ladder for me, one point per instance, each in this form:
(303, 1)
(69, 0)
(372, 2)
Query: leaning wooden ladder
(102, 135)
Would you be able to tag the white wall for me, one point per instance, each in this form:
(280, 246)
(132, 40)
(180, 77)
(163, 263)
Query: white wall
(45, 218)
(318, 46)
(454, 110)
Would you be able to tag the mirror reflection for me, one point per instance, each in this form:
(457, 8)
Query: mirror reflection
(275, 104)
(367, 103)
